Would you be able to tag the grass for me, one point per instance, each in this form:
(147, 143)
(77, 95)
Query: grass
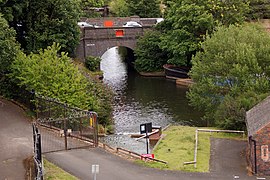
(56, 173)
(177, 147)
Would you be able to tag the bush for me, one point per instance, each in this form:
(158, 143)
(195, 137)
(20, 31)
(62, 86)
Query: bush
(92, 63)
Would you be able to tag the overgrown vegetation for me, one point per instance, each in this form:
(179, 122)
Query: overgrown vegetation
(149, 56)
(40, 23)
(141, 8)
(231, 74)
(55, 76)
(92, 63)
(185, 25)
(8, 52)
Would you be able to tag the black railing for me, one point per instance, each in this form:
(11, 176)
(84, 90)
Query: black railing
(37, 153)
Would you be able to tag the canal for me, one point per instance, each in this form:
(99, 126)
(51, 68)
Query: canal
(140, 100)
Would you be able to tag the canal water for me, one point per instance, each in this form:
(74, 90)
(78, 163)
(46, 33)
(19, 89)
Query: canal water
(140, 100)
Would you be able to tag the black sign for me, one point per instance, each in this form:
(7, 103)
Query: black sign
(145, 128)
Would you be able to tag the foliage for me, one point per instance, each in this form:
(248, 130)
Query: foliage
(119, 8)
(9, 46)
(149, 57)
(103, 96)
(8, 52)
(92, 63)
(92, 3)
(187, 22)
(39, 23)
(231, 74)
(53, 75)
(144, 8)
(86, 6)
(260, 9)
(185, 26)
(227, 12)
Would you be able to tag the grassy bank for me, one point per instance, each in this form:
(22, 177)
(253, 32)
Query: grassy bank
(177, 147)
(55, 173)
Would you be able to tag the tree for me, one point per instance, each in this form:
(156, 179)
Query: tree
(88, 5)
(8, 52)
(187, 21)
(39, 23)
(119, 8)
(144, 8)
(53, 75)
(9, 47)
(149, 57)
(260, 9)
(231, 74)
(184, 27)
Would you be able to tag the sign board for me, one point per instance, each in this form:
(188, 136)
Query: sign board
(147, 127)
(143, 156)
(95, 169)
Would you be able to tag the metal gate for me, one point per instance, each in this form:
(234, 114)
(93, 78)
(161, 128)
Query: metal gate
(64, 127)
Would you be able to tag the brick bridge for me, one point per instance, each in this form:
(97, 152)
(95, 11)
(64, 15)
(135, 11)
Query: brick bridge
(95, 41)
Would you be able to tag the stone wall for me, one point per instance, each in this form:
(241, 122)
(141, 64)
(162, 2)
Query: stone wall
(96, 41)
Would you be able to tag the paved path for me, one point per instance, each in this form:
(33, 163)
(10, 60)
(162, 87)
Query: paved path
(16, 145)
(15, 141)
(227, 162)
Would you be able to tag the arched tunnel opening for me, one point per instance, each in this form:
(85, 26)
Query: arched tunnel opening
(128, 56)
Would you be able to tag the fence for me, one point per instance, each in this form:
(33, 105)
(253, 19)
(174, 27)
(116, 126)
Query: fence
(37, 153)
(64, 127)
(197, 139)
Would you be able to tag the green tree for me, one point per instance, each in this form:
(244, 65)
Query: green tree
(53, 75)
(39, 23)
(231, 74)
(88, 5)
(149, 57)
(144, 8)
(119, 8)
(9, 49)
(187, 21)
(260, 9)
(184, 28)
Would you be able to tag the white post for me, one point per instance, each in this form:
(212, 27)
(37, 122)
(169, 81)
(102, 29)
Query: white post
(95, 170)
(195, 149)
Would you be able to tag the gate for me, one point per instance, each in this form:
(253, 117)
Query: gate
(64, 127)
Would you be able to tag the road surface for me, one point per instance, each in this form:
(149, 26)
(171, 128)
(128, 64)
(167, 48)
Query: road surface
(16, 142)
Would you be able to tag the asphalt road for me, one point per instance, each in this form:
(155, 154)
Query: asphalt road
(227, 159)
(227, 162)
(15, 141)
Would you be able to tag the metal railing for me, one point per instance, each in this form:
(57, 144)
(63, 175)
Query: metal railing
(37, 153)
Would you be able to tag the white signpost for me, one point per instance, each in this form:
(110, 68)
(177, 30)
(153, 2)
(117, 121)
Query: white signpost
(95, 170)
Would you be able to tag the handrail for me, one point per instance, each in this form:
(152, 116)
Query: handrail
(137, 154)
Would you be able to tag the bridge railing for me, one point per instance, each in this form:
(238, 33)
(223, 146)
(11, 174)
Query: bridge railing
(110, 32)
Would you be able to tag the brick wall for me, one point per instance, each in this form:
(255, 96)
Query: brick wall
(262, 139)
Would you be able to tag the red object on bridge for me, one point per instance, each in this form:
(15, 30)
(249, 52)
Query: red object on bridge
(108, 23)
(119, 33)
(146, 156)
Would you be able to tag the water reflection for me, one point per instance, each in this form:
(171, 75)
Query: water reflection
(142, 99)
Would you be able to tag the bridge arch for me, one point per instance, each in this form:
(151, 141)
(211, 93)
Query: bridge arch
(96, 40)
